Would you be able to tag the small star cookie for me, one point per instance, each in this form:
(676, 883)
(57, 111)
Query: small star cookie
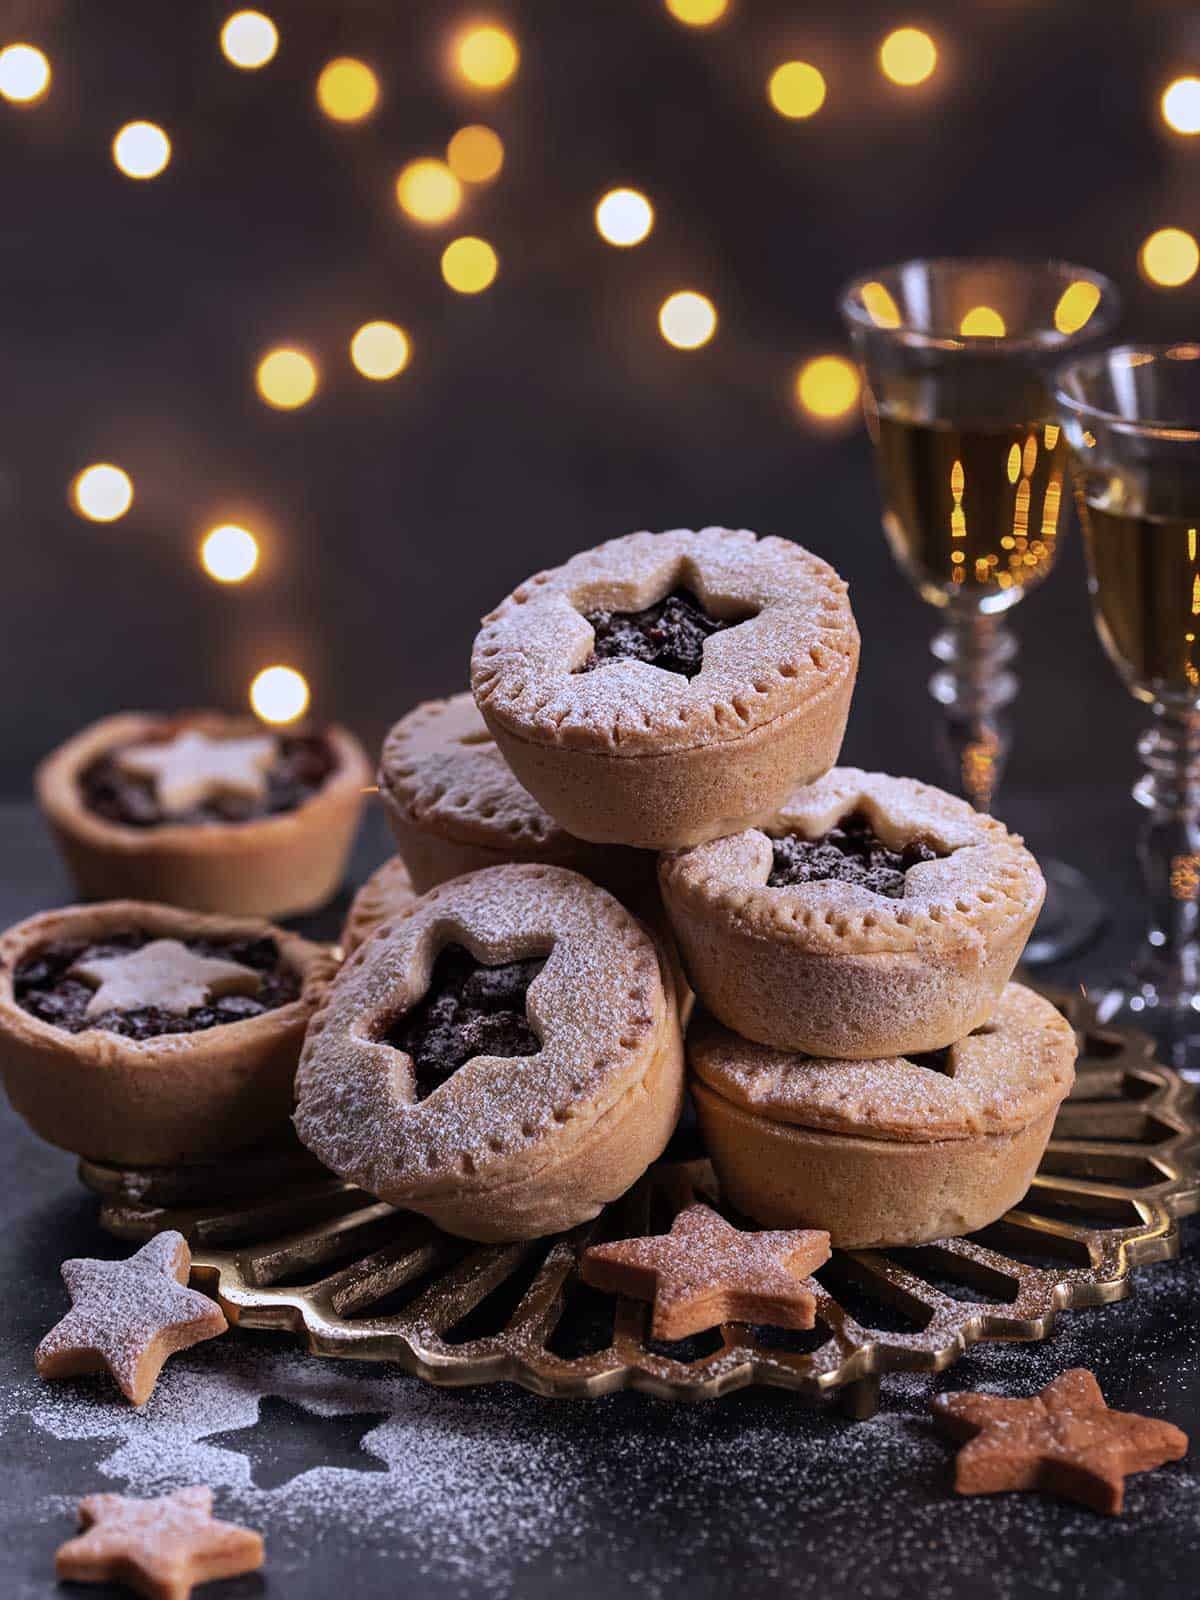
(163, 974)
(705, 1271)
(192, 768)
(160, 1548)
(127, 1317)
(1064, 1441)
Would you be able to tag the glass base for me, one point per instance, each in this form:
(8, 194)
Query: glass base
(1152, 996)
(1072, 917)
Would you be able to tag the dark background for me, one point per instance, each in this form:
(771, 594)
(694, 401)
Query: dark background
(546, 413)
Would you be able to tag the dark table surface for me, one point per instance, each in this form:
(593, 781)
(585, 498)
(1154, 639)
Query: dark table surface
(370, 1481)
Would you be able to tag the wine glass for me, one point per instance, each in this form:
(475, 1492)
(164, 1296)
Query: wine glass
(956, 356)
(1132, 419)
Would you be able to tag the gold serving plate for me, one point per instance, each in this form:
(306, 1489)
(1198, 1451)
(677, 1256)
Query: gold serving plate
(283, 1245)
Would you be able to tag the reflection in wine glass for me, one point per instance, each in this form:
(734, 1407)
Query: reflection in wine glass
(972, 464)
(1132, 417)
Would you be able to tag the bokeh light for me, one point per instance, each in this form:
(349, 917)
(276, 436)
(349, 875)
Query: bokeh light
(380, 350)
(347, 90)
(1169, 257)
(279, 694)
(982, 322)
(880, 305)
(908, 56)
(624, 217)
(486, 57)
(1180, 105)
(427, 191)
(469, 265)
(698, 13)
(141, 150)
(687, 320)
(828, 387)
(1075, 306)
(229, 553)
(24, 74)
(796, 89)
(286, 378)
(475, 154)
(249, 39)
(102, 492)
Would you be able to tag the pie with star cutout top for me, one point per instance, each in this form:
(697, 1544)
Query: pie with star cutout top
(208, 811)
(143, 1034)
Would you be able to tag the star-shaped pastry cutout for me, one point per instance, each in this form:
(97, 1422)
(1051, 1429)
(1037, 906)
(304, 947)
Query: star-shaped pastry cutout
(287, 1440)
(192, 768)
(160, 1548)
(164, 974)
(705, 1271)
(127, 1317)
(1064, 1441)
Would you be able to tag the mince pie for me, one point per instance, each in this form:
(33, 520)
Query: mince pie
(503, 1055)
(889, 1152)
(212, 812)
(142, 1034)
(454, 806)
(869, 916)
(388, 891)
(664, 689)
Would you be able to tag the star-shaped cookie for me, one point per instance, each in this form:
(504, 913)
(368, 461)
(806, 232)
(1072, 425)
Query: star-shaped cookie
(705, 1271)
(159, 1548)
(164, 974)
(192, 768)
(127, 1317)
(1064, 1441)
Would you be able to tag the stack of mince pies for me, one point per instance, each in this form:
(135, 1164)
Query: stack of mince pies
(627, 866)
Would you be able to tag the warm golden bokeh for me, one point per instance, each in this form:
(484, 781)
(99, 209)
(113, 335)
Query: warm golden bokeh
(229, 554)
(1180, 105)
(24, 74)
(279, 694)
(828, 387)
(380, 350)
(698, 13)
(347, 90)
(880, 305)
(982, 322)
(249, 40)
(624, 217)
(486, 57)
(427, 191)
(475, 154)
(908, 56)
(1075, 306)
(102, 492)
(469, 265)
(287, 378)
(141, 150)
(687, 320)
(1169, 257)
(796, 89)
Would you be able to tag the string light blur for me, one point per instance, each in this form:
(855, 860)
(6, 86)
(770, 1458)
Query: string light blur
(141, 150)
(229, 554)
(428, 192)
(828, 387)
(624, 217)
(1180, 105)
(380, 350)
(475, 154)
(1169, 257)
(24, 74)
(102, 492)
(880, 305)
(286, 378)
(908, 56)
(698, 13)
(486, 57)
(982, 322)
(687, 320)
(347, 90)
(469, 265)
(796, 89)
(279, 694)
(249, 39)
(1075, 306)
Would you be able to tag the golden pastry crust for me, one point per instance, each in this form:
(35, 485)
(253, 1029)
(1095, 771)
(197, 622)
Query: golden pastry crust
(504, 1149)
(884, 1152)
(832, 968)
(630, 754)
(177, 1097)
(455, 806)
(387, 892)
(270, 866)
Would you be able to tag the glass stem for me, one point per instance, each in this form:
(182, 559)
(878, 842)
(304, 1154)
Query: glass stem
(1169, 842)
(973, 685)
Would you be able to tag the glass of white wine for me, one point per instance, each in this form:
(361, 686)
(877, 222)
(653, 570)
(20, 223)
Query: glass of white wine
(972, 463)
(1132, 419)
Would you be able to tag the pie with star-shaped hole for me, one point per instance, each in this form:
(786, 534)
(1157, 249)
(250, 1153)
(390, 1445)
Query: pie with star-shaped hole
(143, 1034)
(213, 812)
(663, 689)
